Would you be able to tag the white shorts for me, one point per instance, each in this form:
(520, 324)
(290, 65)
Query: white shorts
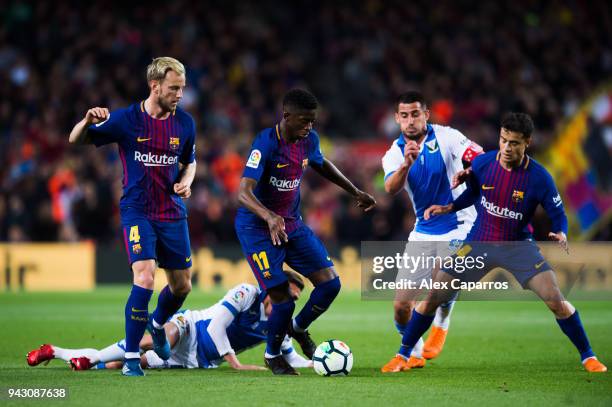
(460, 233)
(424, 246)
(184, 352)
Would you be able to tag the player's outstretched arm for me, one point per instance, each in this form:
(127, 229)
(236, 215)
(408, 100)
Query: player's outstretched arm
(332, 173)
(276, 223)
(95, 115)
(233, 361)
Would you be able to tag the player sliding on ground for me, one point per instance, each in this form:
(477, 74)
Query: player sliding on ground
(270, 227)
(420, 162)
(506, 186)
(198, 339)
(156, 143)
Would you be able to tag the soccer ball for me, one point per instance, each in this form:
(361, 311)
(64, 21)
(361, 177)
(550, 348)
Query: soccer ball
(333, 358)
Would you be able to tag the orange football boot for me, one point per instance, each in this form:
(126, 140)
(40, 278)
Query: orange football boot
(416, 363)
(594, 366)
(434, 343)
(397, 364)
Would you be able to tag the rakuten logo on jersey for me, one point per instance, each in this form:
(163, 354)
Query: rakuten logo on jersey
(495, 210)
(154, 160)
(285, 184)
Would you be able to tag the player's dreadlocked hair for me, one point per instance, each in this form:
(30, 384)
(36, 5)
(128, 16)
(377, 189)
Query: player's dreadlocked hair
(518, 122)
(411, 96)
(300, 99)
(294, 278)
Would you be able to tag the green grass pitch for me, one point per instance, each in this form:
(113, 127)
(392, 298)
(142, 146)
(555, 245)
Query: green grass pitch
(497, 353)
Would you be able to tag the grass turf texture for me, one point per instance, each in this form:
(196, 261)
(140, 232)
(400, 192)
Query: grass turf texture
(501, 353)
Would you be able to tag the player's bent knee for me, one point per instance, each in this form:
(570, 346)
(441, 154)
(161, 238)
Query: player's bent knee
(401, 307)
(562, 309)
(428, 306)
(280, 293)
(144, 273)
(182, 289)
(144, 279)
(323, 276)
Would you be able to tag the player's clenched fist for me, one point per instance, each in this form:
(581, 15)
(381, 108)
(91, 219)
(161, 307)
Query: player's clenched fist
(276, 224)
(96, 115)
(411, 152)
(182, 190)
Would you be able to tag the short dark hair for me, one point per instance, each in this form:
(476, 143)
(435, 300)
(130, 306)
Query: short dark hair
(411, 96)
(300, 99)
(518, 122)
(294, 278)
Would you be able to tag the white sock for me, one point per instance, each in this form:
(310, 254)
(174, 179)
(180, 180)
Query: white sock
(113, 352)
(132, 355)
(417, 351)
(590, 357)
(442, 318)
(67, 354)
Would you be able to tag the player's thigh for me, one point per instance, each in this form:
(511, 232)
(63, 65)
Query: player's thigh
(307, 255)
(173, 244)
(138, 236)
(264, 258)
(545, 285)
(524, 261)
(417, 265)
(471, 261)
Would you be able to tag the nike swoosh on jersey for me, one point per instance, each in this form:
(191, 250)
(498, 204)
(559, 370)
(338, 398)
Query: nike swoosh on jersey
(187, 259)
(540, 264)
(139, 310)
(485, 187)
(279, 165)
(141, 139)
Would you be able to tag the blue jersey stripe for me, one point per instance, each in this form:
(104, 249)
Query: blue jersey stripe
(230, 307)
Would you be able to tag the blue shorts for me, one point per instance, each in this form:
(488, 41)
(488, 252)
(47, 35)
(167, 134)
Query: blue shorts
(304, 253)
(521, 258)
(166, 242)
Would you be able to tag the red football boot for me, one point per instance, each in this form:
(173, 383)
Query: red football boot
(43, 354)
(81, 363)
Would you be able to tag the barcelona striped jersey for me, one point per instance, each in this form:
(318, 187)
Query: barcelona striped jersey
(506, 200)
(278, 168)
(150, 151)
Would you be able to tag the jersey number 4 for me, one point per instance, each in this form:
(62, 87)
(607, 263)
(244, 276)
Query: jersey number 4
(261, 259)
(134, 235)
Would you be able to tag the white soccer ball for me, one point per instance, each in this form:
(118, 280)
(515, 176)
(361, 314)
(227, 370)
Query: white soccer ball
(333, 358)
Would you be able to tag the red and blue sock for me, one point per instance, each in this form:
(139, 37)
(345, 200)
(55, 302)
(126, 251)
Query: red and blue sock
(417, 326)
(278, 324)
(167, 305)
(572, 327)
(320, 299)
(136, 318)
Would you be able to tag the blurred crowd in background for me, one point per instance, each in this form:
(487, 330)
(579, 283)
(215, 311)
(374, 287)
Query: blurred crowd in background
(472, 60)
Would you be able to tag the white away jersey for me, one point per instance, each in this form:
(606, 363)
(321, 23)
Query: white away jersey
(430, 177)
